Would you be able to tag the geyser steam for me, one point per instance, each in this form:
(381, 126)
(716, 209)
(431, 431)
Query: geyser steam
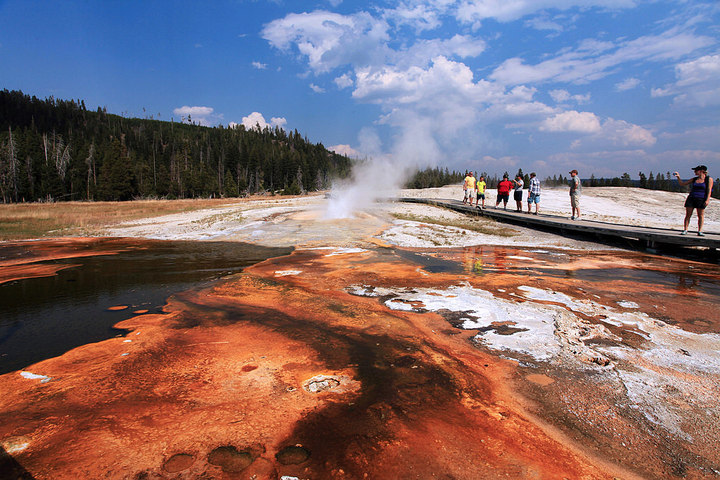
(382, 174)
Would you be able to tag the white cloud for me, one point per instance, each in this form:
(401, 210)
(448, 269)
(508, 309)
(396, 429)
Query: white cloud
(442, 84)
(698, 137)
(572, 121)
(344, 81)
(544, 24)
(316, 88)
(698, 83)
(422, 52)
(256, 120)
(278, 122)
(346, 150)
(472, 11)
(615, 132)
(259, 66)
(622, 133)
(200, 115)
(594, 60)
(416, 15)
(561, 96)
(329, 40)
(627, 84)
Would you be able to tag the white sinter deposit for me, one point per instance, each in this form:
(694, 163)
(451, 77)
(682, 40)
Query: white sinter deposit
(673, 364)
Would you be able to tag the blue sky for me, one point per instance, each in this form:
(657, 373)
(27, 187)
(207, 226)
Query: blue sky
(604, 86)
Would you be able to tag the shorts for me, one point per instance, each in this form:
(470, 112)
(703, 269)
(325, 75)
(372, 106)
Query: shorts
(534, 198)
(503, 196)
(481, 196)
(518, 195)
(695, 202)
(575, 200)
(465, 192)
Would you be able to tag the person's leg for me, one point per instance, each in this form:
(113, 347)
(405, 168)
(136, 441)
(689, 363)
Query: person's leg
(577, 206)
(688, 215)
(529, 203)
(701, 218)
(537, 204)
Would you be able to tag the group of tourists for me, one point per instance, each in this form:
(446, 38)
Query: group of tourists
(698, 199)
(475, 189)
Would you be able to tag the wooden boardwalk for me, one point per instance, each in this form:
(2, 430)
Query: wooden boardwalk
(648, 237)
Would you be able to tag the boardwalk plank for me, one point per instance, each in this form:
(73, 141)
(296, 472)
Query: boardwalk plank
(653, 236)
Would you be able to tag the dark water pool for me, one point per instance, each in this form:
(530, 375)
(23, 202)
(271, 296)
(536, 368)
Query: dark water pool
(44, 317)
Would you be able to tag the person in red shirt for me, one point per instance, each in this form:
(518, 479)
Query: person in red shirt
(503, 189)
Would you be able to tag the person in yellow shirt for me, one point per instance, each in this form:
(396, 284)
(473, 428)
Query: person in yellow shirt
(480, 187)
(469, 188)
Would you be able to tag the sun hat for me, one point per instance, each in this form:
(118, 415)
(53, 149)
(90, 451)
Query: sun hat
(573, 171)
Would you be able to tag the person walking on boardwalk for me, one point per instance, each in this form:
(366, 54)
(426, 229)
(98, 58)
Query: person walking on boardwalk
(469, 180)
(575, 194)
(518, 185)
(480, 187)
(503, 189)
(534, 193)
(698, 198)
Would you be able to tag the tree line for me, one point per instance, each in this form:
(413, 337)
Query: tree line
(434, 177)
(654, 181)
(54, 150)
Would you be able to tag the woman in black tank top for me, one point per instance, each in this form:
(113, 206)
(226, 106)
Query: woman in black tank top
(699, 196)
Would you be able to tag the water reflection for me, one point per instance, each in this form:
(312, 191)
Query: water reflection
(45, 317)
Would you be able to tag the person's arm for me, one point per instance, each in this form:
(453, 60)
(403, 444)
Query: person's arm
(682, 182)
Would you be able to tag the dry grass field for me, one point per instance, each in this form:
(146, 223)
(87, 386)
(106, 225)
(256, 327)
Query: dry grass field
(37, 220)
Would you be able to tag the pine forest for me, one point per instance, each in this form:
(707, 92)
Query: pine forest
(57, 150)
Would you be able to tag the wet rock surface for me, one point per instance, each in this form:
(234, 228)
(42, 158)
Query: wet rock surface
(518, 368)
